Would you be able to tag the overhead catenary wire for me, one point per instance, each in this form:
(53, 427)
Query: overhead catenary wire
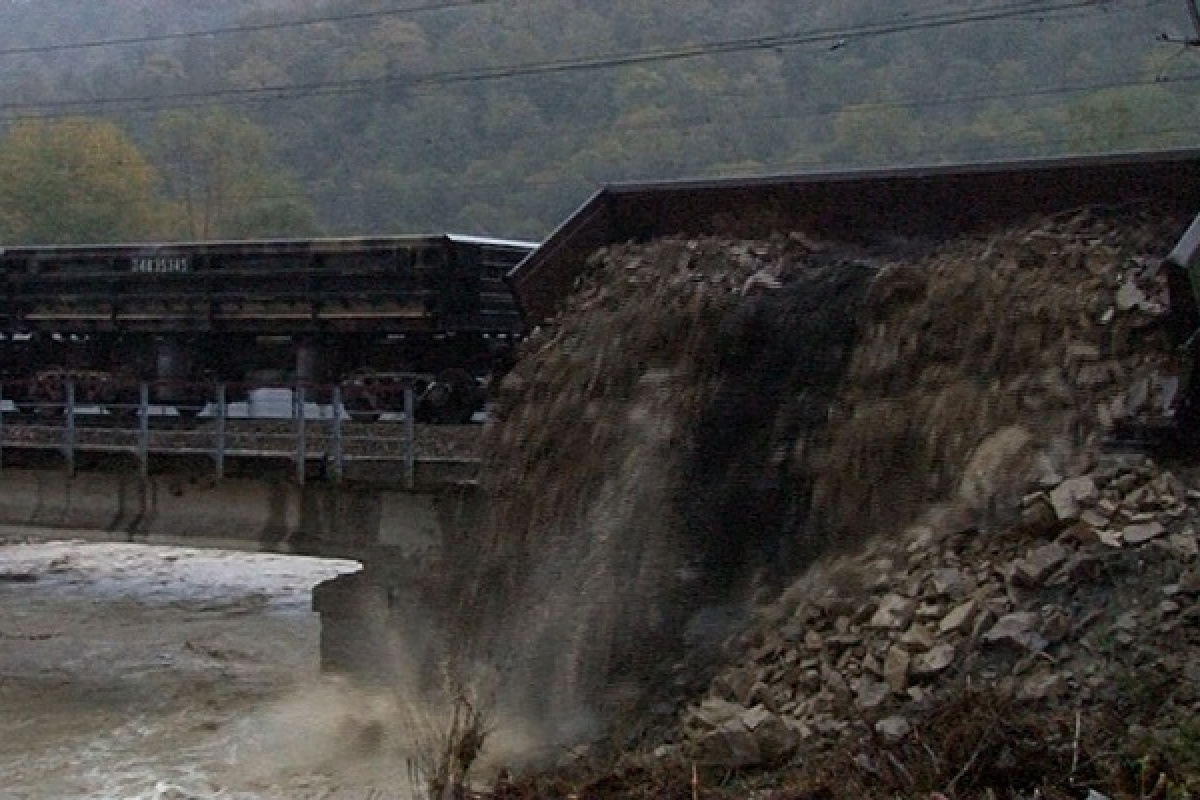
(1036, 129)
(1012, 11)
(1193, 7)
(687, 124)
(249, 28)
(924, 156)
(444, 78)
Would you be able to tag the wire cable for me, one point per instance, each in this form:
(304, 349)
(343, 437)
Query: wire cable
(705, 118)
(932, 21)
(1194, 14)
(446, 5)
(691, 124)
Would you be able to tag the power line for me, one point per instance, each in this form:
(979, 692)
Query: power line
(687, 126)
(446, 5)
(704, 118)
(941, 156)
(932, 21)
(923, 156)
(928, 156)
(943, 20)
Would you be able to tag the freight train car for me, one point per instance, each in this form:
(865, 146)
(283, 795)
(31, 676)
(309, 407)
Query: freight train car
(371, 313)
(926, 203)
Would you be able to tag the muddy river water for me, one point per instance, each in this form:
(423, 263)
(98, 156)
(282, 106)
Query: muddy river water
(153, 672)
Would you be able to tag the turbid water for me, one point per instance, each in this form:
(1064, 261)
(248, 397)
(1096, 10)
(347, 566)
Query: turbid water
(135, 672)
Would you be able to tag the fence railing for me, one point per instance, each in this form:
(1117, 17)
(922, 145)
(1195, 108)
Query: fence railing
(307, 425)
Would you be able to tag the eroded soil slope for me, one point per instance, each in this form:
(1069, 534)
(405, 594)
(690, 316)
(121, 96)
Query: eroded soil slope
(902, 440)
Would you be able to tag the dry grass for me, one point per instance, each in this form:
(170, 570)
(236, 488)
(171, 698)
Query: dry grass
(448, 744)
(974, 741)
(976, 744)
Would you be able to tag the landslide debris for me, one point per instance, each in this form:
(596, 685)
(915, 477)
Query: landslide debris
(1055, 325)
(1096, 611)
(900, 441)
(633, 471)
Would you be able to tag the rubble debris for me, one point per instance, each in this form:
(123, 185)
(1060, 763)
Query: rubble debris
(1140, 534)
(894, 727)
(960, 523)
(996, 607)
(1069, 498)
(1028, 641)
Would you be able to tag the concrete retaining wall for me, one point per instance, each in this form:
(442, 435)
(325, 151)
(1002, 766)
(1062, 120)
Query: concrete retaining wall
(271, 514)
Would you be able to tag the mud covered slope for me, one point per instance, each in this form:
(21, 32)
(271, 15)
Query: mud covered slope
(1056, 324)
(633, 468)
(711, 415)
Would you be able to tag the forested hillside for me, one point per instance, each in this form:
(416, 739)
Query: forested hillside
(500, 116)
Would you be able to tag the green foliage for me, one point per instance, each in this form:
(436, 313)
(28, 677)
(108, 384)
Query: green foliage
(77, 180)
(215, 168)
(378, 146)
(1165, 761)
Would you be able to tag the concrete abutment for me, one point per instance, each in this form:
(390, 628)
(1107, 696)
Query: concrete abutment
(270, 514)
(402, 538)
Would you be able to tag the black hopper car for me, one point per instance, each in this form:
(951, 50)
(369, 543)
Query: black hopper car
(370, 315)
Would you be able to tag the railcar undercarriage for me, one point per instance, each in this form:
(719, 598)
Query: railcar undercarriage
(371, 317)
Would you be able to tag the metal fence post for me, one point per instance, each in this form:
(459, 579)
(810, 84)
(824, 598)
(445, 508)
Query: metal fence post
(338, 453)
(70, 429)
(220, 445)
(301, 436)
(144, 430)
(410, 439)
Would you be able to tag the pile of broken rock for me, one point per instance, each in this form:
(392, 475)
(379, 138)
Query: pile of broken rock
(1090, 602)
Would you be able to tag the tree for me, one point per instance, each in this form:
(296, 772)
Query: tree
(216, 169)
(876, 136)
(77, 180)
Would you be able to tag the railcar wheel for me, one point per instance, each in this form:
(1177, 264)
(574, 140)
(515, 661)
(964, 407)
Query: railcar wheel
(452, 399)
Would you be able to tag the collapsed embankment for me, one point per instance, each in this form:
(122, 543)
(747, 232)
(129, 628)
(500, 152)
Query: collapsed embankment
(636, 474)
(711, 418)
